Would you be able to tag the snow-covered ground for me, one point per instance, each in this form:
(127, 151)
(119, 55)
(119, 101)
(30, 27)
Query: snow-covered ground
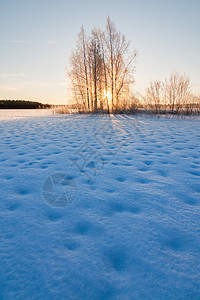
(11, 114)
(99, 207)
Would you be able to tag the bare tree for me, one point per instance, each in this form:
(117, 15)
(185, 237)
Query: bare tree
(102, 69)
(154, 95)
(193, 105)
(172, 95)
(83, 43)
(177, 91)
(79, 70)
(105, 76)
(120, 63)
(110, 38)
(96, 63)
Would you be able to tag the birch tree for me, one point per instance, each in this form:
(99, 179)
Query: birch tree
(102, 69)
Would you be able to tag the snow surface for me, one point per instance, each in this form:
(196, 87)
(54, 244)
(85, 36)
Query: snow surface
(99, 207)
(11, 114)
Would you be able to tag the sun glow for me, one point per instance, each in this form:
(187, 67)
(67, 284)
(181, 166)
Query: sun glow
(108, 95)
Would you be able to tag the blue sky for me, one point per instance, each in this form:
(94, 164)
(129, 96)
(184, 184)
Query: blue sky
(36, 38)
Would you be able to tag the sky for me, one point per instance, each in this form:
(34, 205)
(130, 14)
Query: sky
(37, 37)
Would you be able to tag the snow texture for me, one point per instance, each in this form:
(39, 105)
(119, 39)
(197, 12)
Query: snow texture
(99, 207)
(11, 114)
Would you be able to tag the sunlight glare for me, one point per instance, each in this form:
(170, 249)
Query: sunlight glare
(108, 95)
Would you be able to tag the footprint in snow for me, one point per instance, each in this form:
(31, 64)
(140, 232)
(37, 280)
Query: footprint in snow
(87, 228)
(71, 245)
(117, 258)
(23, 191)
(54, 216)
(121, 179)
(143, 169)
(195, 173)
(148, 162)
(116, 207)
(14, 206)
(143, 180)
(192, 201)
(162, 173)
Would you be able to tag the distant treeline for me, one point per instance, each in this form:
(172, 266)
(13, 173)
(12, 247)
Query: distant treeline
(21, 104)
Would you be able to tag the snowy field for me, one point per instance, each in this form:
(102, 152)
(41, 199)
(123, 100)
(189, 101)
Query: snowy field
(99, 207)
(11, 114)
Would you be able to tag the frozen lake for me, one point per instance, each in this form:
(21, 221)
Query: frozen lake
(11, 114)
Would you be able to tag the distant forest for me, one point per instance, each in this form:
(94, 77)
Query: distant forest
(21, 104)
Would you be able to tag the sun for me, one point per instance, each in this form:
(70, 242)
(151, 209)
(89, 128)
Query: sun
(108, 95)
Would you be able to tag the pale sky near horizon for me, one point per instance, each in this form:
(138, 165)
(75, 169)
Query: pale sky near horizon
(36, 38)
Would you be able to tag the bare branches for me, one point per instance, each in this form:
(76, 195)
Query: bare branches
(172, 95)
(154, 95)
(102, 69)
(177, 91)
